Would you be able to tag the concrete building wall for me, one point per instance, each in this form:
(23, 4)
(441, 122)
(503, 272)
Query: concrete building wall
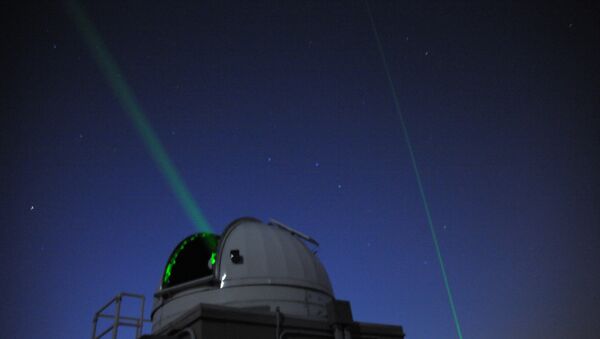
(221, 322)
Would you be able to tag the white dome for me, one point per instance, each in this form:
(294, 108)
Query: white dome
(257, 265)
(270, 255)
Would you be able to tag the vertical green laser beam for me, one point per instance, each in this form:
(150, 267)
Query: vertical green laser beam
(417, 174)
(129, 103)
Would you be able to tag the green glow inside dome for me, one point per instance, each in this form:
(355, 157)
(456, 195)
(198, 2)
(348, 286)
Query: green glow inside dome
(190, 259)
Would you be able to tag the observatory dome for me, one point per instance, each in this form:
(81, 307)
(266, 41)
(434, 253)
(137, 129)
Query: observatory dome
(250, 265)
(253, 253)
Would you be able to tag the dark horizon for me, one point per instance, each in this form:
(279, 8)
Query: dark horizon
(284, 111)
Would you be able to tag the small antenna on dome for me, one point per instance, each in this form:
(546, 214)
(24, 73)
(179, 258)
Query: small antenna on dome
(293, 231)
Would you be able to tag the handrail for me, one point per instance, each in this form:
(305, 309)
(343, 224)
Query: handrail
(137, 322)
(204, 281)
(108, 316)
(107, 304)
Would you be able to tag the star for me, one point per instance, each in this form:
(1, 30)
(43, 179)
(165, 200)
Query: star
(31, 208)
(269, 159)
(339, 186)
(426, 53)
(317, 164)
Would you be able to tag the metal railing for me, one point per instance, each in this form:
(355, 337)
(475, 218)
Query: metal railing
(118, 319)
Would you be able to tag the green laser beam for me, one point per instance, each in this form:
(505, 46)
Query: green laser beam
(129, 103)
(416, 171)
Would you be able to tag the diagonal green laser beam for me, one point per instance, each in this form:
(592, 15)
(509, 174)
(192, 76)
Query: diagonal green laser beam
(129, 103)
(417, 174)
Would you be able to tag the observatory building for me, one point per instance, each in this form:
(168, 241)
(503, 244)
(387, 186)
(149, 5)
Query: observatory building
(256, 280)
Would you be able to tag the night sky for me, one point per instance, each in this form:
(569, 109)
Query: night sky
(283, 110)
